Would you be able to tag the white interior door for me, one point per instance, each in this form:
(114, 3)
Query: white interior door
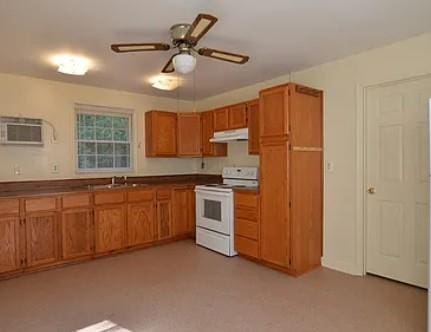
(397, 179)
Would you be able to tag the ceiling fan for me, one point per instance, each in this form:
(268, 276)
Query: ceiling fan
(185, 38)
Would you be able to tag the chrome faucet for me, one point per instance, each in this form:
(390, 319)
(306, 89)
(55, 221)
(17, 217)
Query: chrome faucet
(125, 179)
(113, 181)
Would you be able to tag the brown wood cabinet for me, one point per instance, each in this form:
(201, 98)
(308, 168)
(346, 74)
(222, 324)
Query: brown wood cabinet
(42, 240)
(109, 227)
(238, 116)
(210, 149)
(77, 229)
(9, 243)
(160, 134)
(253, 126)
(164, 213)
(221, 119)
(189, 135)
(141, 218)
(291, 183)
(247, 223)
(184, 212)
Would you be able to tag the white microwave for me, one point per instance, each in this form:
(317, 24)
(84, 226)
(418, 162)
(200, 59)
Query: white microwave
(22, 131)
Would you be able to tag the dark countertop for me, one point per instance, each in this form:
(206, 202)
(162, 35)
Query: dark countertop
(71, 186)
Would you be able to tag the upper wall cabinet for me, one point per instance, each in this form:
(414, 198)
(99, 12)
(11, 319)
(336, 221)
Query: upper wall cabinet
(230, 117)
(160, 134)
(221, 119)
(253, 126)
(189, 133)
(238, 116)
(210, 149)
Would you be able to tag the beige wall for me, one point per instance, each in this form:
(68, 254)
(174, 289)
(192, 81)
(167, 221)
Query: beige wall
(54, 101)
(343, 82)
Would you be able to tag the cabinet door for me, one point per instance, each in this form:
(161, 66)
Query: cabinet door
(109, 225)
(253, 127)
(9, 244)
(141, 223)
(161, 134)
(221, 119)
(189, 134)
(164, 219)
(77, 233)
(273, 115)
(42, 238)
(238, 116)
(183, 211)
(210, 149)
(274, 193)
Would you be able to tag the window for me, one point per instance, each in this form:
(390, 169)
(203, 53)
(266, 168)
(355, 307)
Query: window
(103, 141)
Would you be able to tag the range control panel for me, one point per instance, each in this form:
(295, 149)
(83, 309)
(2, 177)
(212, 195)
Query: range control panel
(246, 173)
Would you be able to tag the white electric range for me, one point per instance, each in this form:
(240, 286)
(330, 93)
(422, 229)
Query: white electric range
(215, 209)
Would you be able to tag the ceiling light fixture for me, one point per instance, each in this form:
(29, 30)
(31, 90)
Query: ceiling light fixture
(184, 63)
(165, 83)
(72, 65)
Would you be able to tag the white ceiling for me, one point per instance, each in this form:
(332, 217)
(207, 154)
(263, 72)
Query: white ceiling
(279, 35)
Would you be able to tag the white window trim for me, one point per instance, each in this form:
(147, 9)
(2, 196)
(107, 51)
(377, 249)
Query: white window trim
(113, 111)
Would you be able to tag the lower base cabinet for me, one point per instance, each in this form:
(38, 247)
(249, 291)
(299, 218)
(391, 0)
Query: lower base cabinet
(42, 238)
(164, 219)
(141, 223)
(109, 228)
(9, 244)
(184, 211)
(77, 227)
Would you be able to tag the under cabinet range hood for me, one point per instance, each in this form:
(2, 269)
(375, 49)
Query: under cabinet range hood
(230, 135)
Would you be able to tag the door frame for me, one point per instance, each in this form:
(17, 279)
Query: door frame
(360, 267)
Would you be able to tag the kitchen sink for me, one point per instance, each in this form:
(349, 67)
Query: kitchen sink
(118, 186)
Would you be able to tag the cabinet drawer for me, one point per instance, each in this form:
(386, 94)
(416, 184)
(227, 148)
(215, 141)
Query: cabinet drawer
(40, 204)
(247, 213)
(9, 206)
(78, 200)
(164, 194)
(246, 228)
(248, 200)
(108, 197)
(246, 246)
(140, 195)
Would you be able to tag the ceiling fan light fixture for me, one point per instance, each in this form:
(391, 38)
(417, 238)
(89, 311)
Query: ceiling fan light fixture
(184, 63)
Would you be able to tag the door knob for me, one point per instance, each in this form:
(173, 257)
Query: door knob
(371, 190)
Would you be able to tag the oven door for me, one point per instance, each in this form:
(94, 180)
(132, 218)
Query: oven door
(214, 210)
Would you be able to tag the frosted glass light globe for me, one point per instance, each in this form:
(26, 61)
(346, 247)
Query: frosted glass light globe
(184, 63)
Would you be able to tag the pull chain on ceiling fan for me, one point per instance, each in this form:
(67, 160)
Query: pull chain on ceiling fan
(185, 38)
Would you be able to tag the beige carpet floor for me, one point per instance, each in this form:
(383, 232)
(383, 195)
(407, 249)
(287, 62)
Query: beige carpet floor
(181, 287)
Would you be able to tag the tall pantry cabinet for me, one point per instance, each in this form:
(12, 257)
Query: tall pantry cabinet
(291, 184)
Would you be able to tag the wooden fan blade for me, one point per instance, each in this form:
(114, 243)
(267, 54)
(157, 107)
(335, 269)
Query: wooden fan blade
(169, 67)
(200, 27)
(225, 56)
(142, 47)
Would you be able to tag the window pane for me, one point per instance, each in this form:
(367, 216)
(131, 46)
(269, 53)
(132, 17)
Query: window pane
(105, 162)
(121, 135)
(87, 148)
(105, 148)
(122, 149)
(88, 120)
(104, 134)
(86, 133)
(122, 161)
(86, 162)
(120, 122)
(104, 121)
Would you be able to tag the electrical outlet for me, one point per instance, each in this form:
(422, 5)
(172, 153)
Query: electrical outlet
(330, 166)
(55, 168)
